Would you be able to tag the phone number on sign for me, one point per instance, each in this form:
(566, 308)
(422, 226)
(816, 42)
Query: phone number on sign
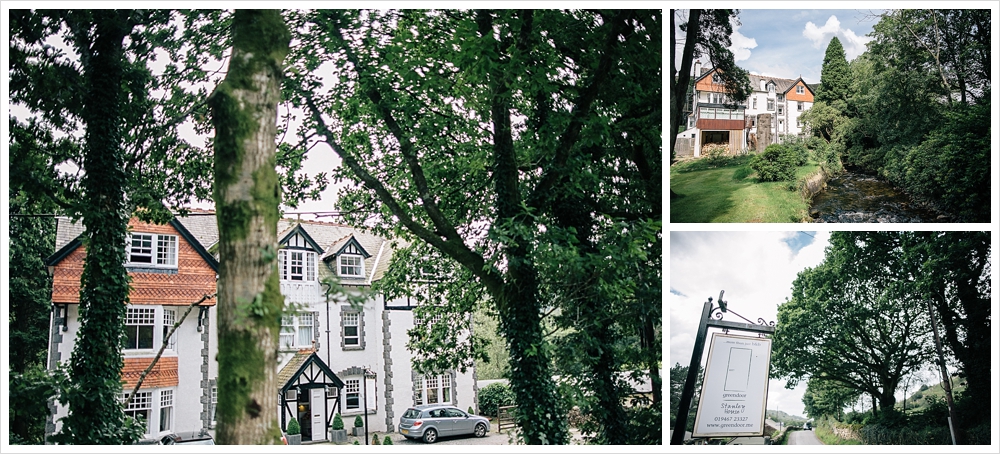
(731, 418)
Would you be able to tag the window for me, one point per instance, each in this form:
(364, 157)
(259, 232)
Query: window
(351, 265)
(166, 409)
(139, 407)
(352, 329)
(716, 78)
(215, 401)
(432, 389)
(800, 90)
(298, 265)
(781, 125)
(297, 330)
(718, 98)
(800, 104)
(770, 88)
(770, 104)
(139, 328)
(150, 249)
(755, 102)
(781, 110)
(781, 98)
(169, 318)
(352, 389)
(798, 122)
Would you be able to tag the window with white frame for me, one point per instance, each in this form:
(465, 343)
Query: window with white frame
(169, 318)
(166, 409)
(798, 122)
(432, 389)
(215, 401)
(298, 265)
(297, 330)
(716, 78)
(351, 265)
(781, 97)
(351, 333)
(801, 105)
(151, 249)
(781, 110)
(770, 87)
(800, 90)
(352, 393)
(139, 323)
(140, 407)
(770, 104)
(754, 102)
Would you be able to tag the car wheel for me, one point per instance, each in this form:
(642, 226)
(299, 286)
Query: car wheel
(480, 430)
(430, 436)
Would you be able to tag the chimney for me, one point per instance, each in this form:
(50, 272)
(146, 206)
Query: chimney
(697, 68)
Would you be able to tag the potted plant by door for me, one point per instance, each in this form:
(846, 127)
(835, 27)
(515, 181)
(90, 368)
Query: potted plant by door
(337, 433)
(293, 433)
(359, 426)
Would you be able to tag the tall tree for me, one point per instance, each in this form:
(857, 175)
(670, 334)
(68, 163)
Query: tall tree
(247, 195)
(851, 320)
(467, 127)
(835, 77)
(708, 33)
(827, 398)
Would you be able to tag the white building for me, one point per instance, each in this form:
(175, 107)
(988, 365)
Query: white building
(713, 121)
(333, 357)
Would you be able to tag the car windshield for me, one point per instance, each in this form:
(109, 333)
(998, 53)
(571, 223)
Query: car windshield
(412, 413)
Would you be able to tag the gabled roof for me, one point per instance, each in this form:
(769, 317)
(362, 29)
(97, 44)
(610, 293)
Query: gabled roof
(340, 246)
(301, 362)
(780, 85)
(297, 229)
(65, 228)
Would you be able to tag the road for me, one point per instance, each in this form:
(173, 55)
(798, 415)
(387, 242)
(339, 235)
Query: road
(803, 437)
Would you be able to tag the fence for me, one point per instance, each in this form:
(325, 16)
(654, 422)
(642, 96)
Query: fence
(505, 418)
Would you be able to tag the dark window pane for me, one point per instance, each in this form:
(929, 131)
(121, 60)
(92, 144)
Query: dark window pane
(145, 336)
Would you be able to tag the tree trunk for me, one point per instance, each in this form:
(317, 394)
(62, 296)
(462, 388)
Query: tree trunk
(95, 414)
(679, 79)
(247, 194)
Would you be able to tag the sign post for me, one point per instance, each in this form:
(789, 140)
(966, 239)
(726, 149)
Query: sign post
(715, 321)
(734, 393)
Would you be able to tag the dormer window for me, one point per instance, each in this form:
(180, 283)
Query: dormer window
(800, 90)
(770, 87)
(152, 250)
(298, 265)
(716, 78)
(351, 265)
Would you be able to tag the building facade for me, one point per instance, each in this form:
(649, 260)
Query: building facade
(772, 111)
(335, 356)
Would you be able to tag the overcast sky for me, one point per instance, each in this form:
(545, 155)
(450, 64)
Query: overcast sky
(756, 270)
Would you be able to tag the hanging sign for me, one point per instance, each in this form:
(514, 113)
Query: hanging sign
(734, 392)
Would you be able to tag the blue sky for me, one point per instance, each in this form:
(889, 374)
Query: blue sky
(789, 43)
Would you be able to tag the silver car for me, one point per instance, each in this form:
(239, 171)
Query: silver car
(428, 422)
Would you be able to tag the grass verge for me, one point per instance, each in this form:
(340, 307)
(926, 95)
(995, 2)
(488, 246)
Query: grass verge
(829, 438)
(729, 192)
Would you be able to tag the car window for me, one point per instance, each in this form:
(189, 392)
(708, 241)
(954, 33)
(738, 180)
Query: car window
(454, 413)
(412, 413)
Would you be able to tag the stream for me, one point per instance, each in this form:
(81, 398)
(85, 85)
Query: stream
(856, 197)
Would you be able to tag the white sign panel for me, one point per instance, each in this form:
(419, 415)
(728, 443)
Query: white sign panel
(734, 392)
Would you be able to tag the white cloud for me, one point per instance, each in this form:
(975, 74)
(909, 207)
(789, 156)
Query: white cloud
(853, 44)
(741, 44)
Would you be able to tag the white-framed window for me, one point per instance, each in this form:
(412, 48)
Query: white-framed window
(298, 265)
(781, 97)
(350, 265)
(139, 323)
(215, 402)
(718, 98)
(781, 125)
(432, 389)
(801, 105)
(352, 394)
(169, 318)
(754, 102)
(716, 78)
(351, 333)
(770, 104)
(800, 90)
(297, 330)
(781, 110)
(151, 249)
(798, 122)
(166, 410)
(140, 407)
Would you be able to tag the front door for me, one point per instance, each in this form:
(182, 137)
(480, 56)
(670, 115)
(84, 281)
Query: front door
(317, 412)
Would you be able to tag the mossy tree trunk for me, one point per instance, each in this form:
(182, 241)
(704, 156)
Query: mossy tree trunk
(247, 194)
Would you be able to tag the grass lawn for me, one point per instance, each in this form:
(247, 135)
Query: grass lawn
(732, 194)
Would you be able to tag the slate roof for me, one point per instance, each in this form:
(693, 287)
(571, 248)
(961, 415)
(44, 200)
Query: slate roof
(286, 373)
(780, 85)
(328, 235)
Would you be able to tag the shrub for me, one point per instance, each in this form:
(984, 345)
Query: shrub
(387, 440)
(493, 397)
(293, 427)
(338, 424)
(357, 442)
(358, 422)
(375, 439)
(471, 412)
(776, 163)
